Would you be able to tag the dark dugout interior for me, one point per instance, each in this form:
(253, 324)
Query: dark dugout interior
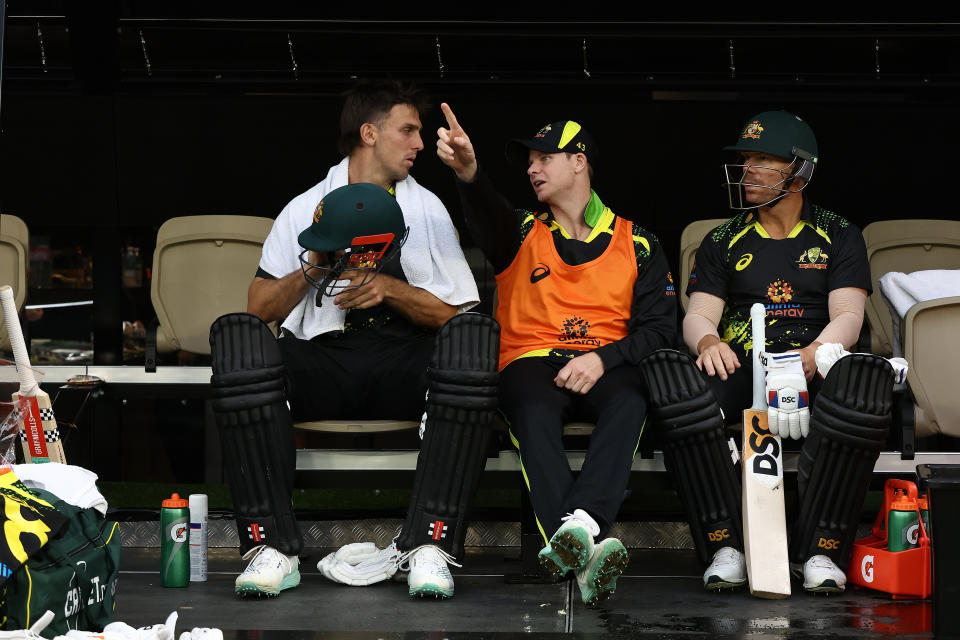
(118, 115)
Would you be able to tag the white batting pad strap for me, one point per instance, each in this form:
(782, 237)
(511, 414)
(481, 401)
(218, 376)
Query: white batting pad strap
(360, 564)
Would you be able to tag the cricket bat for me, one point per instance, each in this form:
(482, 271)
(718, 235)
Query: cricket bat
(42, 443)
(764, 518)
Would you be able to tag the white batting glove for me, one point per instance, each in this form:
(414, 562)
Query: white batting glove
(360, 564)
(788, 412)
(202, 633)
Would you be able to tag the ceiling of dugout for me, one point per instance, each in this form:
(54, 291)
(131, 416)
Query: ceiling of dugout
(128, 46)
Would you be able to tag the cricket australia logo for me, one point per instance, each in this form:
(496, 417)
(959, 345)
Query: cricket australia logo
(813, 258)
(753, 130)
(576, 330)
(437, 530)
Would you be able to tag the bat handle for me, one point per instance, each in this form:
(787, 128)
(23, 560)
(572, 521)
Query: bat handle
(17, 344)
(757, 318)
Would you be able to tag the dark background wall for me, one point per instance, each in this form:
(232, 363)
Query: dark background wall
(102, 147)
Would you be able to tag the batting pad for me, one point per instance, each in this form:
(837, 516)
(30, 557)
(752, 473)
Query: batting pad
(696, 450)
(256, 431)
(848, 427)
(461, 404)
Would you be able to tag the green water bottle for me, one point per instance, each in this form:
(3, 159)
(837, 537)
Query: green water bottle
(903, 525)
(174, 545)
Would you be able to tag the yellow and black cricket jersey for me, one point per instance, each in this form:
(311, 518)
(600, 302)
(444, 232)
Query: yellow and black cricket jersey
(625, 307)
(739, 262)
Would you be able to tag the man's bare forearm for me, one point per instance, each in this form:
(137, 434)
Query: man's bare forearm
(272, 299)
(418, 305)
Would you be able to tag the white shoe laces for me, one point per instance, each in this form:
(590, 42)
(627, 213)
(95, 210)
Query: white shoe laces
(265, 560)
(436, 561)
(822, 562)
(726, 555)
(585, 519)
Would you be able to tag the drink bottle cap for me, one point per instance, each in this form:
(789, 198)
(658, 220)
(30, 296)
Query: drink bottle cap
(904, 504)
(922, 502)
(174, 502)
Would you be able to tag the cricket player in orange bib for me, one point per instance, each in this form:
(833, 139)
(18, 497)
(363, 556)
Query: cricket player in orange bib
(583, 295)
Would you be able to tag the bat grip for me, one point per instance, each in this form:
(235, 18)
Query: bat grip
(757, 318)
(17, 344)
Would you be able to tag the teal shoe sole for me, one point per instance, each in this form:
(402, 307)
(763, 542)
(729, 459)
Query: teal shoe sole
(566, 551)
(254, 589)
(601, 580)
(430, 589)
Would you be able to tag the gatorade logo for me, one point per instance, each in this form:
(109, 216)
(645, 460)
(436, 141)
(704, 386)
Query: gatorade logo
(178, 532)
(828, 543)
(718, 535)
(744, 261)
(866, 568)
(913, 533)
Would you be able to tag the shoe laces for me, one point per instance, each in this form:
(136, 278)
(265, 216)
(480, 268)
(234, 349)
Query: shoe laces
(726, 555)
(822, 562)
(429, 555)
(264, 559)
(585, 519)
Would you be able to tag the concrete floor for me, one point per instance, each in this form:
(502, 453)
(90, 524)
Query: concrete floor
(660, 596)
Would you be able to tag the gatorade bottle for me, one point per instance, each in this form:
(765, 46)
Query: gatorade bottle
(174, 548)
(924, 512)
(903, 528)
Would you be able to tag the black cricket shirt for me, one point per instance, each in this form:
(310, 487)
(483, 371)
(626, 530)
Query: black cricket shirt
(739, 262)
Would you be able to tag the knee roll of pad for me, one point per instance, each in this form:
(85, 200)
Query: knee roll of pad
(461, 405)
(696, 449)
(256, 432)
(848, 428)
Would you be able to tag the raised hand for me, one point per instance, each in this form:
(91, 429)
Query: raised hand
(454, 147)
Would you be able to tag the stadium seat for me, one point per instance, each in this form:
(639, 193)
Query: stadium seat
(907, 246)
(931, 348)
(690, 240)
(202, 268)
(14, 249)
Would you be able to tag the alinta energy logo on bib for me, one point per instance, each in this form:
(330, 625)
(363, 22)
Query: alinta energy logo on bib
(813, 258)
(576, 330)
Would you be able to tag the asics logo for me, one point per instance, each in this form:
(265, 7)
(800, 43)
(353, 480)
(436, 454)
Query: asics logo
(539, 273)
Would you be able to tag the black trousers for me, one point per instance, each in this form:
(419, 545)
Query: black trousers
(346, 376)
(536, 410)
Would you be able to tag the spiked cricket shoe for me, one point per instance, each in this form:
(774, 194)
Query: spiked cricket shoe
(571, 546)
(598, 577)
(822, 575)
(728, 570)
(268, 573)
(429, 575)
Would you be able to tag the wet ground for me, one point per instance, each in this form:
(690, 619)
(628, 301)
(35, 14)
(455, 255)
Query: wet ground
(660, 596)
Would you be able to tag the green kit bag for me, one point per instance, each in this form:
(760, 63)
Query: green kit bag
(74, 575)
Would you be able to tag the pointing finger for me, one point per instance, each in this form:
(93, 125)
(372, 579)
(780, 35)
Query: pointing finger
(448, 112)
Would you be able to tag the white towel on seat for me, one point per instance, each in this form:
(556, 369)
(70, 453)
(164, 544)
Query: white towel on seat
(903, 290)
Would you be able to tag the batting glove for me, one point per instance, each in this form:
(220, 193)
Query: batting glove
(788, 409)
(360, 564)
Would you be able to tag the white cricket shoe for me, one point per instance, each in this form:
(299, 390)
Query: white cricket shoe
(268, 573)
(597, 578)
(822, 575)
(571, 546)
(429, 575)
(727, 570)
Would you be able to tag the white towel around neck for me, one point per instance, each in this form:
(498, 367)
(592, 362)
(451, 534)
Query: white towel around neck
(431, 257)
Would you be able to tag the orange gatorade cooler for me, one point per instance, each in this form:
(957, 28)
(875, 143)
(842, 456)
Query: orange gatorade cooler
(904, 574)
